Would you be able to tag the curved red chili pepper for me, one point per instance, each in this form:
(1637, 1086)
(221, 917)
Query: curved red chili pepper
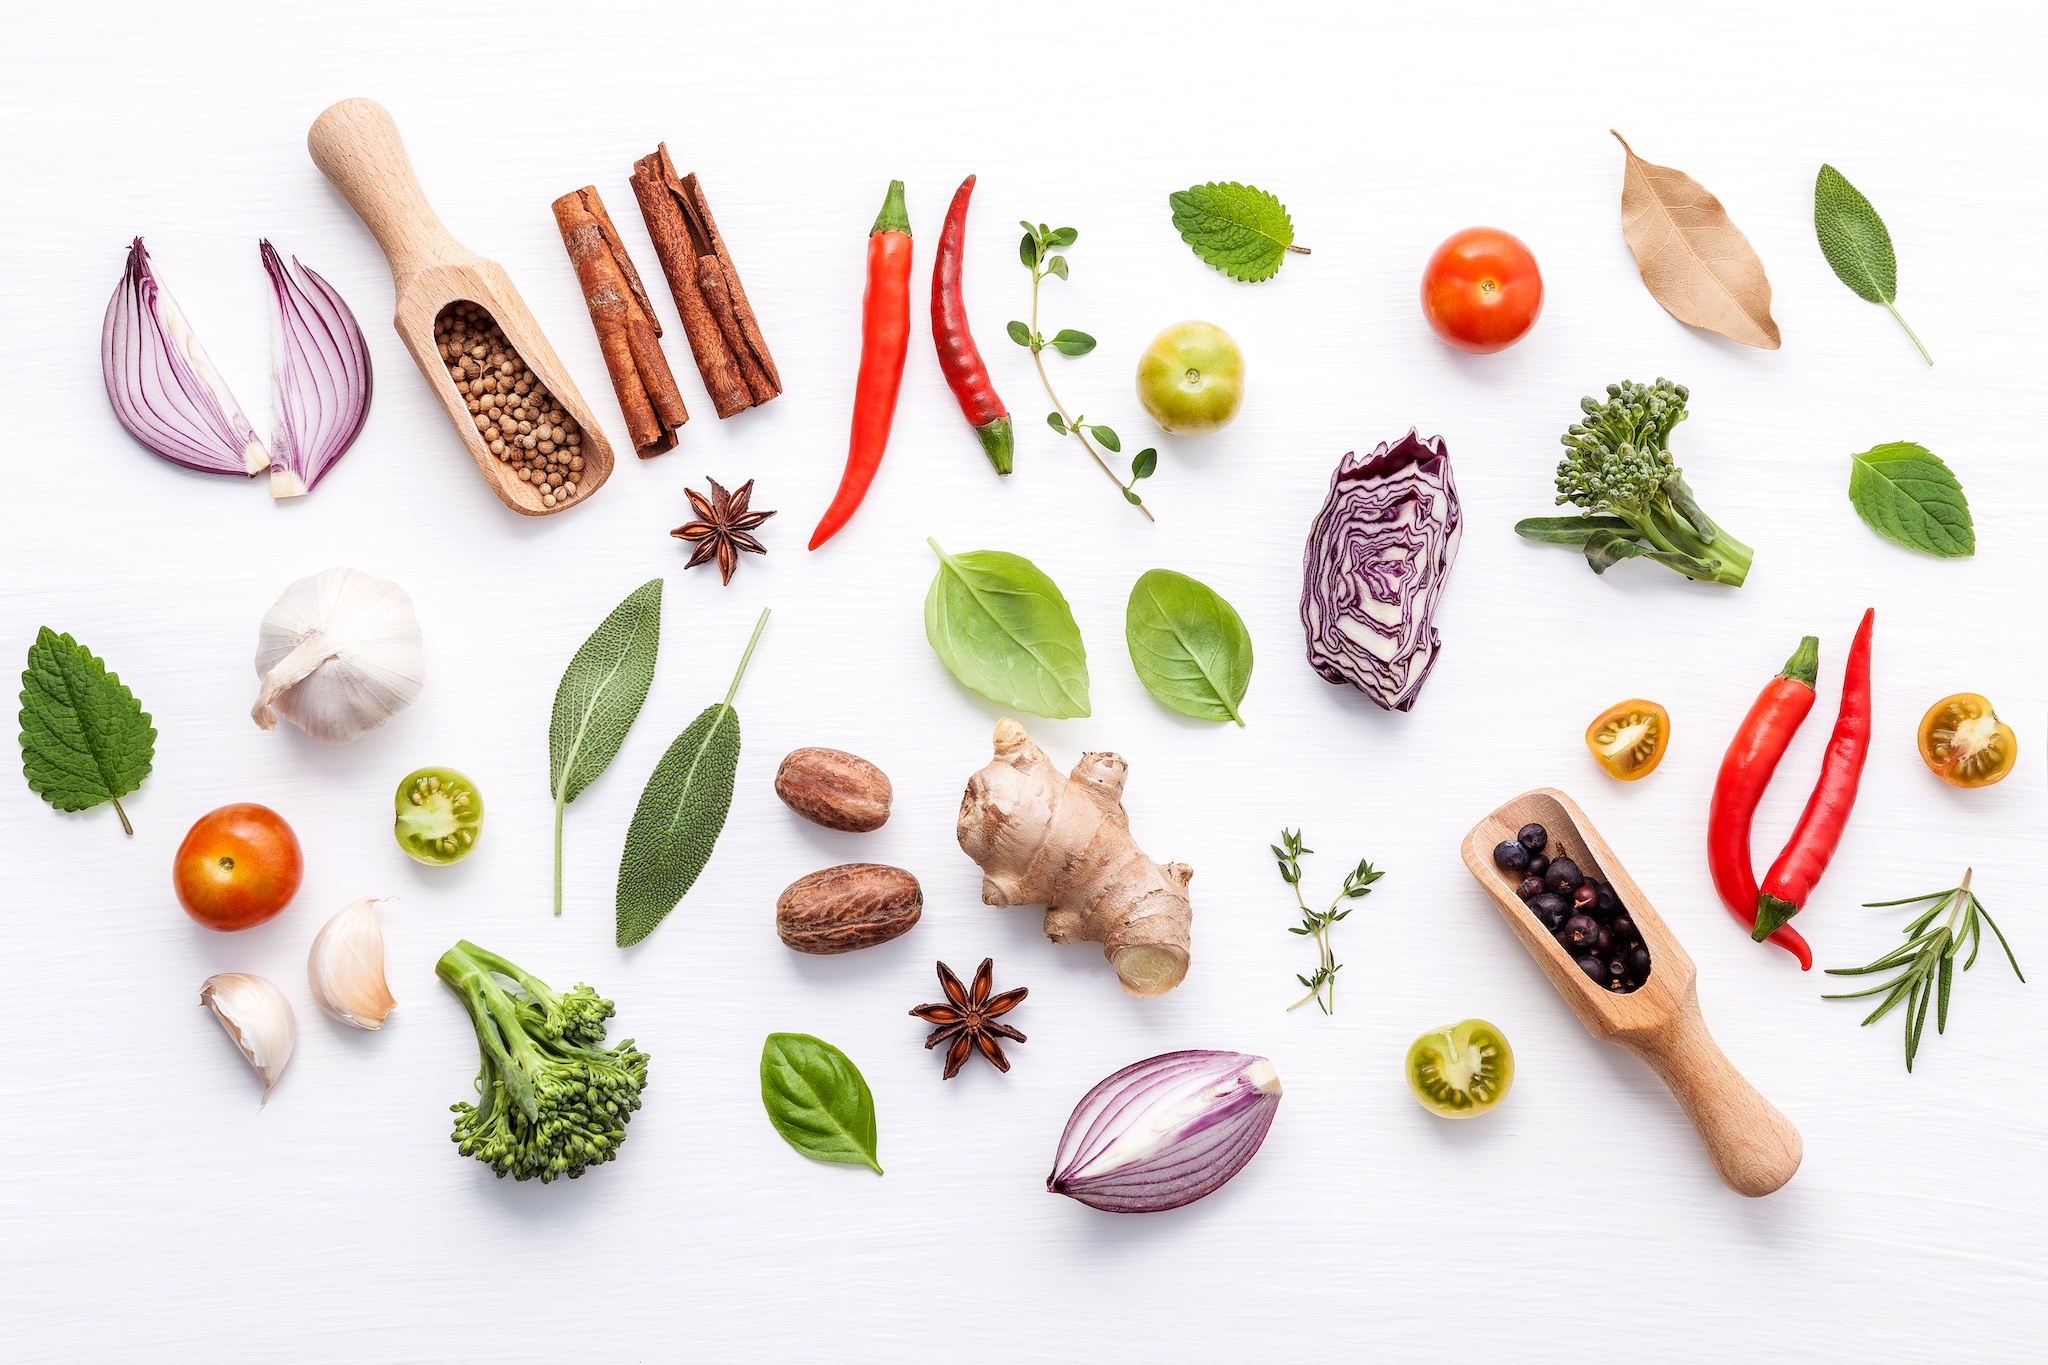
(959, 357)
(1819, 831)
(884, 342)
(1766, 732)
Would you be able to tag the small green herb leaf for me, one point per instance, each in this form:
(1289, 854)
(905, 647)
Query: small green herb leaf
(1067, 341)
(1002, 628)
(1857, 244)
(597, 700)
(85, 739)
(1905, 493)
(1133, 499)
(1027, 250)
(1189, 646)
(1063, 237)
(1056, 422)
(1241, 230)
(818, 1100)
(1019, 333)
(1058, 266)
(1108, 438)
(1143, 463)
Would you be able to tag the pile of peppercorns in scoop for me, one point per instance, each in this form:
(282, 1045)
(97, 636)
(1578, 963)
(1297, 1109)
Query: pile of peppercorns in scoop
(1582, 913)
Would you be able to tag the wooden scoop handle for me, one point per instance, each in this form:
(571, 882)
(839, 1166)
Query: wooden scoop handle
(356, 145)
(1753, 1146)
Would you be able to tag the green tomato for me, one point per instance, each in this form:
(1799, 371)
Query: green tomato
(1191, 378)
(1461, 1069)
(440, 815)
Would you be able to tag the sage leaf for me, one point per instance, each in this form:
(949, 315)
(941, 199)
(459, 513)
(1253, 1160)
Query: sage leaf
(1189, 646)
(597, 700)
(85, 739)
(1002, 628)
(1906, 494)
(681, 812)
(1694, 261)
(1857, 245)
(818, 1100)
(1239, 229)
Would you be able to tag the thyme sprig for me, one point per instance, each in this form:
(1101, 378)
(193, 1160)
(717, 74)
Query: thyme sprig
(1926, 962)
(1322, 987)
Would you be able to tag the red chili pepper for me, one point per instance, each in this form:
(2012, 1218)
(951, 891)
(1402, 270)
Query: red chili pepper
(884, 342)
(1819, 831)
(959, 357)
(1776, 715)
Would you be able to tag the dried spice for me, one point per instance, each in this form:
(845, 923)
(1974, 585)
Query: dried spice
(722, 528)
(968, 1022)
(520, 422)
(627, 330)
(1694, 260)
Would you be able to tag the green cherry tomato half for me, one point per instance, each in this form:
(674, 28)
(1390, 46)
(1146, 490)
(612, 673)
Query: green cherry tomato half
(1461, 1069)
(440, 815)
(1191, 379)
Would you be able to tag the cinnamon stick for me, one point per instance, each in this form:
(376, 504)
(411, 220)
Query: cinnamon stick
(725, 337)
(627, 329)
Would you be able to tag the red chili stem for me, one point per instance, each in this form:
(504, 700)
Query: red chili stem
(959, 358)
(1766, 732)
(884, 343)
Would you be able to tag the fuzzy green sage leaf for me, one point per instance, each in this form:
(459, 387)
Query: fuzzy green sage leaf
(818, 1100)
(1002, 628)
(1239, 229)
(1189, 646)
(681, 812)
(597, 700)
(1857, 245)
(85, 739)
(1905, 493)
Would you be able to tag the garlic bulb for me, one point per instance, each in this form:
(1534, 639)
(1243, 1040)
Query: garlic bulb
(338, 656)
(257, 1017)
(346, 967)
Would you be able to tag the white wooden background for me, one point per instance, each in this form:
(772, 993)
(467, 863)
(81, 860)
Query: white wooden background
(152, 1210)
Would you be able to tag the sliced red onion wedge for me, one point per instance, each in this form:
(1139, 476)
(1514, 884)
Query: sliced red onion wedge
(164, 389)
(1165, 1131)
(319, 376)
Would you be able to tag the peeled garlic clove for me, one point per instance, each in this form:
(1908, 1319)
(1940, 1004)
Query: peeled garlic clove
(338, 655)
(346, 967)
(257, 1017)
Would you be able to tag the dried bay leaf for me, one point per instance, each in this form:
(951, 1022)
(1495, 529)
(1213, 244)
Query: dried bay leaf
(1695, 262)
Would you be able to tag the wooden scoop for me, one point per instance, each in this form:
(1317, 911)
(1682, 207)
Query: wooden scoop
(356, 145)
(1754, 1147)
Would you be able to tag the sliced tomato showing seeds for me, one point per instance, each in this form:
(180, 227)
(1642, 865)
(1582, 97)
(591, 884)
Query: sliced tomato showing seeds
(1629, 738)
(1965, 744)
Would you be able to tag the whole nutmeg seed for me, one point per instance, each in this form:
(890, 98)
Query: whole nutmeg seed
(854, 905)
(835, 789)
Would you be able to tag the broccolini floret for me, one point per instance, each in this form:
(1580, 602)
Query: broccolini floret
(1619, 472)
(551, 1100)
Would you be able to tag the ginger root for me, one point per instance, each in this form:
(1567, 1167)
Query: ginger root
(1064, 842)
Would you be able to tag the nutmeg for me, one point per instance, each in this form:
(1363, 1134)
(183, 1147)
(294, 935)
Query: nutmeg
(854, 905)
(834, 789)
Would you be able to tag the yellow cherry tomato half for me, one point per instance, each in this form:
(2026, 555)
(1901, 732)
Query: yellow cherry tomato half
(1965, 744)
(1629, 738)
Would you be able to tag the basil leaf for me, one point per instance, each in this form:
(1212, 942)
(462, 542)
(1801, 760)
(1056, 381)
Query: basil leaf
(818, 1100)
(1189, 646)
(85, 739)
(1905, 493)
(599, 697)
(1857, 244)
(1002, 628)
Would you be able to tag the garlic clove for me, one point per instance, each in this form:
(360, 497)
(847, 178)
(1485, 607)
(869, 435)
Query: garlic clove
(257, 1017)
(346, 966)
(338, 655)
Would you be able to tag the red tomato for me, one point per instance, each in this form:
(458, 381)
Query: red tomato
(238, 867)
(1481, 290)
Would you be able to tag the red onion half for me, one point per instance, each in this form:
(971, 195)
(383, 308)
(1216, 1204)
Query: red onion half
(1165, 1131)
(319, 376)
(163, 388)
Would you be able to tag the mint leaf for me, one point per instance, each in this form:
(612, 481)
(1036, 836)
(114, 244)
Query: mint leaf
(1857, 245)
(84, 737)
(1905, 493)
(1241, 230)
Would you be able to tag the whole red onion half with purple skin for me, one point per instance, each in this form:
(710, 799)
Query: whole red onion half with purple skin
(1165, 1131)
(1375, 566)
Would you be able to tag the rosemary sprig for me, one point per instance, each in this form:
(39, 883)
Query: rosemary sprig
(1040, 253)
(1322, 987)
(1926, 963)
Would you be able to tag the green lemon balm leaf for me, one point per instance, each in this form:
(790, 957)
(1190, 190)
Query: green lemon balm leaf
(1189, 646)
(597, 700)
(818, 1100)
(1905, 493)
(84, 738)
(1002, 628)
(1857, 245)
(1241, 230)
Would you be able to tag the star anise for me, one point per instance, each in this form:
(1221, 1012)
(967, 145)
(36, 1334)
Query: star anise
(969, 1021)
(722, 527)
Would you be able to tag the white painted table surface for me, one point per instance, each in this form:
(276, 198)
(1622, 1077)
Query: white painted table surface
(152, 1210)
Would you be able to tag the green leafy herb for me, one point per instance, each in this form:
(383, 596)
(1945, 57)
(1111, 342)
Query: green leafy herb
(1905, 493)
(1002, 628)
(84, 737)
(681, 812)
(1315, 924)
(597, 700)
(818, 1100)
(1189, 646)
(1240, 229)
(1040, 253)
(1857, 246)
(1926, 963)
